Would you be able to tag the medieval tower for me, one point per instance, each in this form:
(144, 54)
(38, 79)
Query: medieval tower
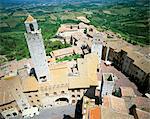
(36, 48)
(97, 46)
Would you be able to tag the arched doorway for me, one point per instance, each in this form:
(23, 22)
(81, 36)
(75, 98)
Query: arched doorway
(62, 101)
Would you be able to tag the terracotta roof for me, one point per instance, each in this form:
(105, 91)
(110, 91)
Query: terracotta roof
(79, 36)
(66, 28)
(95, 113)
(5, 93)
(139, 59)
(29, 84)
(7, 89)
(142, 103)
(115, 103)
(65, 51)
(108, 113)
(142, 114)
(127, 91)
(29, 19)
(133, 52)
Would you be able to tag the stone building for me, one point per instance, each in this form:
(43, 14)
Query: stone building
(63, 89)
(127, 59)
(21, 91)
(66, 52)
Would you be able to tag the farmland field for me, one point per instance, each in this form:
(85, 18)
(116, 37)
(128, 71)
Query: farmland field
(130, 20)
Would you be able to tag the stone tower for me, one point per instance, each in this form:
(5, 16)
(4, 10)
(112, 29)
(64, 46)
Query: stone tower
(36, 48)
(97, 46)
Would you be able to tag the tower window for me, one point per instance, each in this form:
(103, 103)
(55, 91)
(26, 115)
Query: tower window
(31, 27)
(62, 92)
(43, 77)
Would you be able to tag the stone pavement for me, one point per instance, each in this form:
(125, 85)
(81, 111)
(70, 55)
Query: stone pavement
(56, 112)
(122, 79)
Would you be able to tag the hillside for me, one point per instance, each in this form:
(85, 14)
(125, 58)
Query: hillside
(130, 20)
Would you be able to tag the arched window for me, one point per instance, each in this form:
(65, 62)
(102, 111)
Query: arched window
(62, 99)
(31, 27)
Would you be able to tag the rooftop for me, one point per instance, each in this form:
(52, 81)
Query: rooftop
(95, 113)
(115, 103)
(112, 114)
(127, 91)
(83, 19)
(133, 52)
(65, 51)
(142, 114)
(29, 19)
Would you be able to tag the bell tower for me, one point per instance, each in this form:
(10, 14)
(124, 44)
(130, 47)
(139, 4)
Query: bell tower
(36, 48)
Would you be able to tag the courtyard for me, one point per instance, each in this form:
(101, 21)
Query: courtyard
(122, 79)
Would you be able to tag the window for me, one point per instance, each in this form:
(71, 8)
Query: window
(62, 92)
(32, 101)
(15, 114)
(31, 27)
(36, 95)
(72, 90)
(8, 115)
(78, 95)
(34, 105)
(73, 96)
(29, 96)
(42, 77)
(46, 94)
(78, 90)
(38, 100)
(73, 101)
(55, 93)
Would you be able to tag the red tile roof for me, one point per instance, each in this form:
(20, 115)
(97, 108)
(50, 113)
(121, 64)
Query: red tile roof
(95, 113)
